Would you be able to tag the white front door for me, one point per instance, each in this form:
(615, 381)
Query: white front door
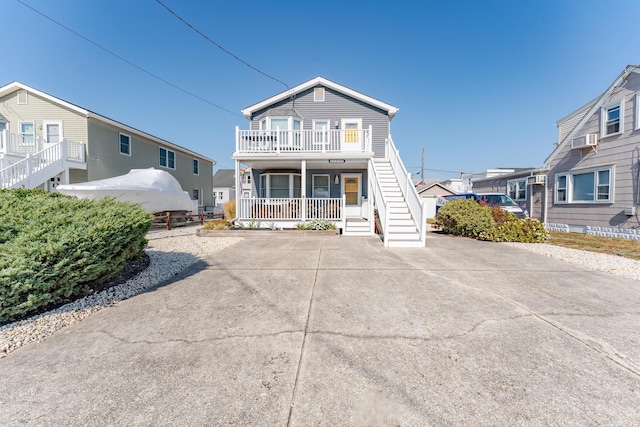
(51, 133)
(351, 135)
(351, 189)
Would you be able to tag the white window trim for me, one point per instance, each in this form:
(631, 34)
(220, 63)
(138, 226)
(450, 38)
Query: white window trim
(603, 118)
(199, 195)
(318, 141)
(290, 119)
(33, 123)
(196, 164)
(120, 134)
(318, 90)
(523, 182)
(637, 111)
(267, 184)
(167, 165)
(313, 183)
(569, 187)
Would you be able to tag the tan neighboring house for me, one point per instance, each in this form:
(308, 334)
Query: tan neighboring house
(46, 141)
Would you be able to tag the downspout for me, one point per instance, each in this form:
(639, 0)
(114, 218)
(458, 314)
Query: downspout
(238, 190)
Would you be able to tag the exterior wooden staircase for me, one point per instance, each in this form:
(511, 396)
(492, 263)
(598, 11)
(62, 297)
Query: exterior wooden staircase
(401, 227)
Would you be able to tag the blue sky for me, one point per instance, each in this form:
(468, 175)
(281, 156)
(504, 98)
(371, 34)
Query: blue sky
(479, 83)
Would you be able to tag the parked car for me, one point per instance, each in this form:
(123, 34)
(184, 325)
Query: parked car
(501, 200)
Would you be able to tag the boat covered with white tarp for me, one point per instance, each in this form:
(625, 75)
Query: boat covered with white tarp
(153, 189)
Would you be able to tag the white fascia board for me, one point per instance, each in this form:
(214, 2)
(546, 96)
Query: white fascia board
(15, 86)
(12, 87)
(129, 129)
(391, 110)
(599, 103)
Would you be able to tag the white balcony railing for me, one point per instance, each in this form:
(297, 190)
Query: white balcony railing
(304, 141)
(31, 170)
(299, 209)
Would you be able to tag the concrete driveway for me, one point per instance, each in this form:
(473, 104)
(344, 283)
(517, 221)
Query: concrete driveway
(341, 331)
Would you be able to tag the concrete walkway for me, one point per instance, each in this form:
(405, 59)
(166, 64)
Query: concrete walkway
(341, 331)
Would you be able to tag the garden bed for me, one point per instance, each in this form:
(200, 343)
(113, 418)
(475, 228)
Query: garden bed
(267, 233)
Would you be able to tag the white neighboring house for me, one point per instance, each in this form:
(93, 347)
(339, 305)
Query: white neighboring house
(224, 186)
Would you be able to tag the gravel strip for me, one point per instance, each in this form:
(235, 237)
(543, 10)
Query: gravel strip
(613, 264)
(170, 252)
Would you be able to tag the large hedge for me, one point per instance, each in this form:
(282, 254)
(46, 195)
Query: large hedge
(464, 217)
(52, 246)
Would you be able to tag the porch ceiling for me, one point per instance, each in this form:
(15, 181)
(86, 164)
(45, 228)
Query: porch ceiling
(311, 164)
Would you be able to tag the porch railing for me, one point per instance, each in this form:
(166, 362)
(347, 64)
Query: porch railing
(23, 145)
(298, 209)
(311, 141)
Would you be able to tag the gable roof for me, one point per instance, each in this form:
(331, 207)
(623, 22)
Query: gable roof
(15, 86)
(422, 188)
(596, 104)
(224, 178)
(320, 81)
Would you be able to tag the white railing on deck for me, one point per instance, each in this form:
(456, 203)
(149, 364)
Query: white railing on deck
(414, 201)
(298, 209)
(311, 141)
(22, 170)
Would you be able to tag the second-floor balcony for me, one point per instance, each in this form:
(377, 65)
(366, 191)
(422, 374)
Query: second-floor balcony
(303, 141)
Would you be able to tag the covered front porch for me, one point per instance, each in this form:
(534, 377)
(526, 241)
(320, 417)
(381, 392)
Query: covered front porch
(287, 193)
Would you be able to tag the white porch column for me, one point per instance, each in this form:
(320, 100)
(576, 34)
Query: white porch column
(303, 190)
(238, 190)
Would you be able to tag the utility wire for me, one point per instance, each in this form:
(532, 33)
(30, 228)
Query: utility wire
(218, 46)
(127, 61)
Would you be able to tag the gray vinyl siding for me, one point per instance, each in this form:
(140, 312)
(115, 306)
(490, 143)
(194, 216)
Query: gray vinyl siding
(39, 110)
(334, 189)
(105, 161)
(620, 151)
(569, 124)
(336, 106)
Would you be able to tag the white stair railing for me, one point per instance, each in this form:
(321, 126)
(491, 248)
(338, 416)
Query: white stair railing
(379, 201)
(32, 170)
(414, 201)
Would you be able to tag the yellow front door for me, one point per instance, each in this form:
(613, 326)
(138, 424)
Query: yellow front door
(352, 195)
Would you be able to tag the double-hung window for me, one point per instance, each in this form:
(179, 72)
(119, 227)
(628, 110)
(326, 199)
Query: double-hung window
(125, 144)
(612, 118)
(320, 186)
(27, 133)
(517, 189)
(167, 158)
(585, 186)
(196, 167)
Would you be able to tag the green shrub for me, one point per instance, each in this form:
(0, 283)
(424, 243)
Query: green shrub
(468, 218)
(53, 246)
(317, 224)
(464, 217)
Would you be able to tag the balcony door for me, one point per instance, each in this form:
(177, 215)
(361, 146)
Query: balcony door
(51, 132)
(351, 135)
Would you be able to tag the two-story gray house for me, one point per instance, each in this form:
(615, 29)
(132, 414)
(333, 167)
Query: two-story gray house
(46, 141)
(323, 151)
(593, 174)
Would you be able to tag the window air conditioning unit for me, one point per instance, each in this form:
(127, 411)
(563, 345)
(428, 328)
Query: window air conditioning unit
(537, 179)
(588, 140)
